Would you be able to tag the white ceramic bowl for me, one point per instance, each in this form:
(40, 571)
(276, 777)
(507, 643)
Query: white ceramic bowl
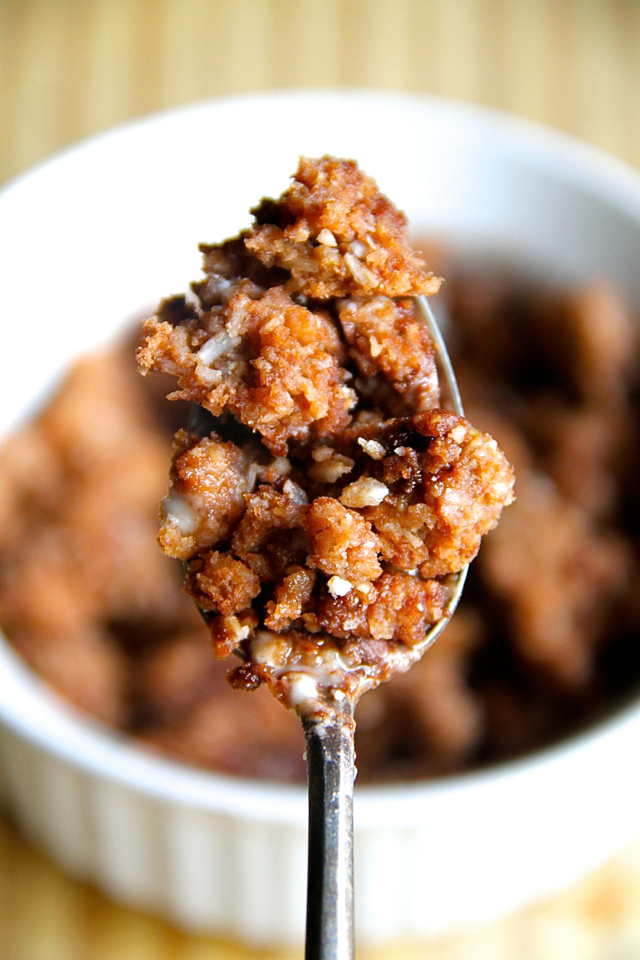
(106, 228)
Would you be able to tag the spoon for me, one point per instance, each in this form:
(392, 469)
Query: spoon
(330, 753)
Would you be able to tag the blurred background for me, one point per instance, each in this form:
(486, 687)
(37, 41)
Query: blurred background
(70, 68)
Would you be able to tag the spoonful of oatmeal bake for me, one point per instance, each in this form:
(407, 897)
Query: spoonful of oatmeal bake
(324, 501)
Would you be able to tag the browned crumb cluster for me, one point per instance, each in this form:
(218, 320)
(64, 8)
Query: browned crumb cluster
(253, 344)
(341, 545)
(385, 338)
(208, 482)
(273, 364)
(337, 236)
(357, 551)
(546, 636)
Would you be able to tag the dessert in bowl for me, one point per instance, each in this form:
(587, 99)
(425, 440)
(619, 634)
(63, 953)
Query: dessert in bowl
(200, 846)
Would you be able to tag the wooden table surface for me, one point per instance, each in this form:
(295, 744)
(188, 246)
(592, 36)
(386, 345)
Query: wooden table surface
(69, 68)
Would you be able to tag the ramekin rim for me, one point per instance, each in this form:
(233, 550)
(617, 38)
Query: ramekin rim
(546, 142)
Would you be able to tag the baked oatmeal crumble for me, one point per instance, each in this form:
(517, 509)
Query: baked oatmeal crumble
(338, 236)
(320, 541)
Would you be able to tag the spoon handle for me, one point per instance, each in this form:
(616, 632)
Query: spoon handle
(331, 773)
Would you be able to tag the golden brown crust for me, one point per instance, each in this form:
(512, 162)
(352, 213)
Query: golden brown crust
(270, 538)
(393, 607)
(208, 480)
(273, 364)
(318, 567)
(386, 338)
(447, 485)
(338, 236)
(291, 599)
(341, 541)
(217, 581)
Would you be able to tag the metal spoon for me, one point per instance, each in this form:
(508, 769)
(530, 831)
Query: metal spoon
(330, 755)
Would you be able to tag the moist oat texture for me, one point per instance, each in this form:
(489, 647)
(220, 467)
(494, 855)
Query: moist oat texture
(336, 235)
(321, 519)
(91, 603)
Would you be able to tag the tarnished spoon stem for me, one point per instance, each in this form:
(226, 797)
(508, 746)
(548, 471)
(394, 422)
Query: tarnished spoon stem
(330, 773)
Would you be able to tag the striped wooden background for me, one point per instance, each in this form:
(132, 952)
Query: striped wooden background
(69, 68)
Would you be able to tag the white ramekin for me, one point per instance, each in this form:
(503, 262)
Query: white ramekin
(103, 229)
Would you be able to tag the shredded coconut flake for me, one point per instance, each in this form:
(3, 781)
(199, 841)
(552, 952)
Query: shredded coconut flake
(372, 448)
(327, 238)
(217, 346)
(338, 587)
(322, 453)
(458, 434)
(294, 492)
(365, 492)
(375, 348)
(359, 272)
(331, 468)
